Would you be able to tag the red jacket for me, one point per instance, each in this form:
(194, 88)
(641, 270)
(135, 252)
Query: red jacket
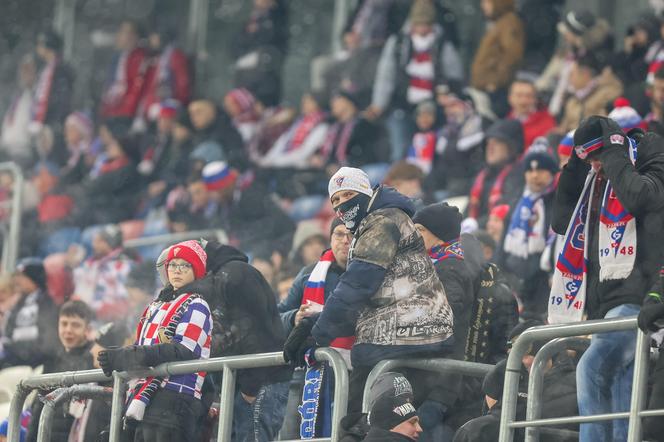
(538, 124)
(125, 86)
(174, 83)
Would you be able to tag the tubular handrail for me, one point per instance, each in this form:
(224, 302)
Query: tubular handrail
(536, 377)
(12, 238)
(548, 332)
(228, 365)
(61, 395)
(474, 369)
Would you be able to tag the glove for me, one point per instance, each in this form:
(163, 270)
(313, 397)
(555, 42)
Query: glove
(648, 315)
(298, 338)
(612, 135)
(119, 359)
(432, 414)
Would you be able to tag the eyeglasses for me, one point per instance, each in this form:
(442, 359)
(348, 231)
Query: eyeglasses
(341, 235)
(179, 267)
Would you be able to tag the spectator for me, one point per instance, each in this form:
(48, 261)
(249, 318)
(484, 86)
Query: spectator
(582, 32)
(488, 244)
(309, 243)
(100, 279)
(655, 118)
(606, 286)
(167, 76)
(246, 321)
(408, 180)
(630, 63)
(422, 149)
(500, 181)
(565, 150)
(295, 147)
(592, 87)
(285, 280)
(53, 91)
(458, 156)
(259, 49)
(246, 211)
(500, 52)
(125, 84)
(526, 235)
(440, 227)
(272, 122)
(495, 224)
(79, 134)
(392, 415)
(385, 239)
(535, 120)
(15, 136)
(211, 124)
(351, 139)
(29, 336)
(176, 327)
(240, 105)
(412, 64)
(94, 419)
(74, 329)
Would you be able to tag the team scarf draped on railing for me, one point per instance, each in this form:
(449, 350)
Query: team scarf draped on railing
(617, 248)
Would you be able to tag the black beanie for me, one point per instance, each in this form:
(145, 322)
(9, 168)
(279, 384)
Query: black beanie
(336, 222)
(34, 269)
(589, 129)
(441, 219)
(391, 401)
(112, 334)
(540, 156)
(509, 132)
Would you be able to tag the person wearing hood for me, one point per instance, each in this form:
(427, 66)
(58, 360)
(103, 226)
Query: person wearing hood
(212, 124)
(177, 326)
(389, 298)
(500, 51)
(246, 321)
(500, 181)
(412, 64)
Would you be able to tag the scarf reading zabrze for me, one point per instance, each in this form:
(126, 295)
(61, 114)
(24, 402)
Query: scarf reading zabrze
(617, 250)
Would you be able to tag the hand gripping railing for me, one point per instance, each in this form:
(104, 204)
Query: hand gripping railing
(228, 365)
(548, 332)
(60, 396)
(474, 369)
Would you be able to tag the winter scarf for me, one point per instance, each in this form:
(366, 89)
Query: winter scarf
(617, 250)
(43, 92)
(446, 250)
(420, 68)
(117, 85)
(422, 150)
(526, 234)
(495, 194)
(171, 313)
(302, 128)
(337, 140)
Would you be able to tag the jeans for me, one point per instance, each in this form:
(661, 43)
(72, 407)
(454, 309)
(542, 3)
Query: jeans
(260, 421)
(400, 127)
(604, 379)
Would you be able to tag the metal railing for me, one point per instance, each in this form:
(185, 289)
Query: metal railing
(12, 233)
(549, 332)
(474, 369)
(228, 365)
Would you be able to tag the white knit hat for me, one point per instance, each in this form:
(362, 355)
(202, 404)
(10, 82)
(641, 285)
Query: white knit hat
(350, 178)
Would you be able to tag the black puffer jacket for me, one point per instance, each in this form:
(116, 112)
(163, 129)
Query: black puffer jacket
(245, 315)
(640, 190)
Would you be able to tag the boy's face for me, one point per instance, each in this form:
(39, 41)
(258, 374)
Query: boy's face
(72, 331)
(425, 120)
(539, 179)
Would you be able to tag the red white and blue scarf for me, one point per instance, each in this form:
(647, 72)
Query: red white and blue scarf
(446, 250)
(617, 250)
(526, 234)
(421, 152)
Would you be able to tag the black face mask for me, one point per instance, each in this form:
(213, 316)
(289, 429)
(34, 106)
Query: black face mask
(353, 211)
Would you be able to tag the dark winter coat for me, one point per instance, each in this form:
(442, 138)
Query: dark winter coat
(59, 100)
(387, 252)
(363, 144)
(36, 350)
(353, 427)
(380, 435)
(512, 187)
(289, 306)
(245, 315)
(640, 190)
(74, 360)
(223, 132)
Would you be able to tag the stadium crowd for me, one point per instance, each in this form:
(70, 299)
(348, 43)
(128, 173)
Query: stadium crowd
(410, 207)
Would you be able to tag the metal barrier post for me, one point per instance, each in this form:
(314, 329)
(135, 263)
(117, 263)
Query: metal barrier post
(341, 384)
(639, 385)
(15, 409)
(61, 395)
(226, 401)
(536, 379)
(545, 333)
(117, 407)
